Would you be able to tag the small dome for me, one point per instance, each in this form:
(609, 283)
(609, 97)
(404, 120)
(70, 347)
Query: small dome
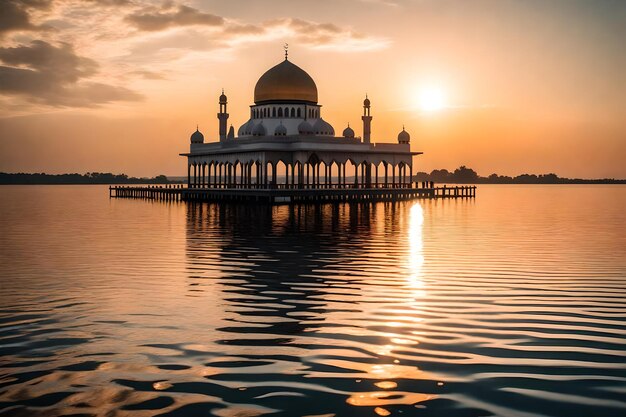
(366, 102)
(223, 98)
(404, 137)
(305, 128)
(322, 127)
(246, 128)
(197, 137)
(348, 132)
(285, 82)
(259, 130)
(280, 130)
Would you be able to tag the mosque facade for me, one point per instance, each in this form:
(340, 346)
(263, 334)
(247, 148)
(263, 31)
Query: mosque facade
(286, 144)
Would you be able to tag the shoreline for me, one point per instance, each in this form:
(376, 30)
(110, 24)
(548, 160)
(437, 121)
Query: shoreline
(584, 182)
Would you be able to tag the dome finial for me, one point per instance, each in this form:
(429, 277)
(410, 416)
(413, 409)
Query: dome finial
(197, 127)
(286, 47)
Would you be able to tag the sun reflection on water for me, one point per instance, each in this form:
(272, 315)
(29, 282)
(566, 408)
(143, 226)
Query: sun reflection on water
(416, 246)
(388, 376)
(382, 398)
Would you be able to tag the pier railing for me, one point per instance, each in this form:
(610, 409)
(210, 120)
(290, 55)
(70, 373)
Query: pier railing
(274, 193)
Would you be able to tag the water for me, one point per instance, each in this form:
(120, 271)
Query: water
(512, 304)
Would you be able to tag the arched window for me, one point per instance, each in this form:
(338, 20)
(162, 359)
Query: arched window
(293, 112)
(265, 112)
(298, 113)
(286, 111)
(280, 112)
(273, 111)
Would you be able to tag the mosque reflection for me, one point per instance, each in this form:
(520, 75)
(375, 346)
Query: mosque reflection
(285, 250)
(300, 287)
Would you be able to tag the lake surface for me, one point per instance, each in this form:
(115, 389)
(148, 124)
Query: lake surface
(512, 304)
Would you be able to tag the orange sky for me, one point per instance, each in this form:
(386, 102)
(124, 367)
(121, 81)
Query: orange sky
(119, 85)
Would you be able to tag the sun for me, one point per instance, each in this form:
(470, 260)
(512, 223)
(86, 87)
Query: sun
(431, 99)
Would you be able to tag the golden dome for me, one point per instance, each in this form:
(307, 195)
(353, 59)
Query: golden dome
(285, 82)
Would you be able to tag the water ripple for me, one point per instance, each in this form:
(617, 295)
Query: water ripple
(513, 304)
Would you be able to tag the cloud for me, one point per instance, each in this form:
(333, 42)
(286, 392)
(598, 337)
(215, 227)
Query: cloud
(111, 2)
(54, 75)
(17, 15)
(382, 2)
(129, 37)
(243, 29)
(158, 19)
(149, 75)
(14, 14)
(326, 35)
(230, 34)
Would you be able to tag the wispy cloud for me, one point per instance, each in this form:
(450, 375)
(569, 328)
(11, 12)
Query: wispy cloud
(56, 76)
(232, 33)
(326, 35)
(148, 75)
(154, 19)
(390, 3)
(94, 46)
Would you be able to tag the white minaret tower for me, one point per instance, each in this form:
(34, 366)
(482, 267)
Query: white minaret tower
(367, 120)
(223, 116)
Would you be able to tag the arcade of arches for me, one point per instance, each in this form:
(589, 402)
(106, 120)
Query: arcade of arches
(311, 173)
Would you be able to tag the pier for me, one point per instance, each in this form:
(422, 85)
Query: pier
(284, 194)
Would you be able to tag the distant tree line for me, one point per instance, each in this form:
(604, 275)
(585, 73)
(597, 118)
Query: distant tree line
(88, 178)
(461, 175)
(465, 175)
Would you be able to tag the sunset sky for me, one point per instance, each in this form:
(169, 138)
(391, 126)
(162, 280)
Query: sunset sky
(506, 86)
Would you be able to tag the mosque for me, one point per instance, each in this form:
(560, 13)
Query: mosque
(287, 145)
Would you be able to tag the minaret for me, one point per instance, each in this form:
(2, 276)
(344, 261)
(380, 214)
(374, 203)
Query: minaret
(367, 120)
(223, 116)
